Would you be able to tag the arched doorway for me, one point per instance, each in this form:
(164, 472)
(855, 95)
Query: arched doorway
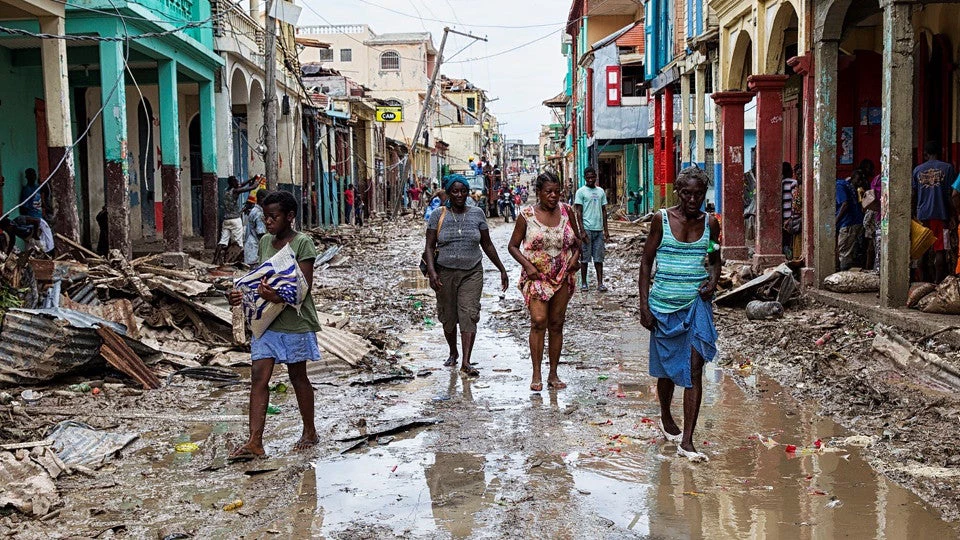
(239, 98)
(196, 176)
(148, 167)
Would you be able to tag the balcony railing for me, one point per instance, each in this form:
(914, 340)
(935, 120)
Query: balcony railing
(331, 29)
(237, 24)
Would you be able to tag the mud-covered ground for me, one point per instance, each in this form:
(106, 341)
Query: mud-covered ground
(504, 462)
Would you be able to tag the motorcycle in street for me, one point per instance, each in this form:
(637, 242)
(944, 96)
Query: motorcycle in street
(506, 205)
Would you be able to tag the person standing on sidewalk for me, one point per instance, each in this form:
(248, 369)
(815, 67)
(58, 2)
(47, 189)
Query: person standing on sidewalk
(232, 228)
(549, 257)
(591, 204)
(678, 309)
(348, 199)
(453, 256)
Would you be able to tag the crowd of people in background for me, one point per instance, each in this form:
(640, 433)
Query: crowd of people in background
(935, 205)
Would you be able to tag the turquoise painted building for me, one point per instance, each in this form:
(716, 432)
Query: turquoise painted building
(138, 82)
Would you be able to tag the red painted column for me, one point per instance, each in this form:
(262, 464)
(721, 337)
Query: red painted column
(769, 246)
(731, 118)
(658, 144)
(669, 155)
(803, 65)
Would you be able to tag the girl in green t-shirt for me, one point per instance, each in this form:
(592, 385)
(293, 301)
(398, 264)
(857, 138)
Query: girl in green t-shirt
(291, 338)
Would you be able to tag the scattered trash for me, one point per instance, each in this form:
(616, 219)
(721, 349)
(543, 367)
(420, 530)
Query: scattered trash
(279, 388)
(824, 339)
(186, 448)
(83, 388)
(77, 443)
(861, 441)
(28, 478)
(234, 505)
(273, 409)
(602, 377)
(834, 503)
(758, 310)
(31, 397)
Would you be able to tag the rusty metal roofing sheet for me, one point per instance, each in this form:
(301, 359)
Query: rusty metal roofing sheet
(37, 345)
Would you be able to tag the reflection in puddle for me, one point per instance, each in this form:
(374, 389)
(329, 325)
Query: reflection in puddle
(402, 489)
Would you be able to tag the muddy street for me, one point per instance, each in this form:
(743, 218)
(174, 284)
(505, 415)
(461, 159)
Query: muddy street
(410, 449)
(588, 461)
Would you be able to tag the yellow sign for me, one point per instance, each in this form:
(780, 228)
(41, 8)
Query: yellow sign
(389, 114)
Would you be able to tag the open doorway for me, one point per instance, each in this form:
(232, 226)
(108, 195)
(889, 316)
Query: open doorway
(196, 177)
(609, 173)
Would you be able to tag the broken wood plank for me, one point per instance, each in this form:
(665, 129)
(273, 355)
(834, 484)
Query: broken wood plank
(18, 446)
(392, 428)
(239, 325)
(118, 261)
(86, 252)
(72, 412)
(381, 380)
(119, 355)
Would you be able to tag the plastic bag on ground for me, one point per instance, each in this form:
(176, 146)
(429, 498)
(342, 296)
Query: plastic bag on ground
(852, 281)
(283, 274)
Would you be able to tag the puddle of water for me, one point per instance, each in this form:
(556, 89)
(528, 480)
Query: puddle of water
(747, 490)
(401, 489)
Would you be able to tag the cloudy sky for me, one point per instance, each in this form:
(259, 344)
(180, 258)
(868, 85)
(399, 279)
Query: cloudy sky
(522, 78)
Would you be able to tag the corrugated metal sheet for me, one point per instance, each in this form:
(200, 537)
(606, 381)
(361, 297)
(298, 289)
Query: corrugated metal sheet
(347, 346)
(37, 345)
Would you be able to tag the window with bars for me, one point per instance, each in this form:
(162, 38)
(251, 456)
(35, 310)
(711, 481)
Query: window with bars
(390, 61)
(326, 55)
(346, 55)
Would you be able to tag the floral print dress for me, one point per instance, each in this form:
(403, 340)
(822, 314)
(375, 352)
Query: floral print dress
(549, 249)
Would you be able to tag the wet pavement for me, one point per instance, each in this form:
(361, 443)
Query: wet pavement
(587, 461)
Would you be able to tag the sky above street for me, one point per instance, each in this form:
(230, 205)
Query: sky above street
(532, 70)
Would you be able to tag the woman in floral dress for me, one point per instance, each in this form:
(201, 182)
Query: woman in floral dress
(546, 244)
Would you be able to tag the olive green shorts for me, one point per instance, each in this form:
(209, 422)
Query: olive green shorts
(458, 301)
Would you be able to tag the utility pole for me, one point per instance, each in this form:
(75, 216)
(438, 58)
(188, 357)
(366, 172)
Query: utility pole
(423, 116)
(269, 100)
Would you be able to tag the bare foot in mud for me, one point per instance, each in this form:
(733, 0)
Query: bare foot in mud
(536, 386)
(247, 452)
(556, 384)
(306, 441)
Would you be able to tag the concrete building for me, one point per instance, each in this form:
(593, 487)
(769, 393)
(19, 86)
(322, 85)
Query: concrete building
(396, 68)
(150, 109)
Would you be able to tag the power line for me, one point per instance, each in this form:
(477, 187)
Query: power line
(506, 27)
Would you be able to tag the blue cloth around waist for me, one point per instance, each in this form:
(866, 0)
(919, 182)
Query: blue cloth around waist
(676, 334)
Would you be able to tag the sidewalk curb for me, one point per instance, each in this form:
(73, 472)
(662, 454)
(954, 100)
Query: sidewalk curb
(908, 320)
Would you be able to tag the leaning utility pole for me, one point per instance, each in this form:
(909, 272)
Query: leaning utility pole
(269, 97)
(398, 202)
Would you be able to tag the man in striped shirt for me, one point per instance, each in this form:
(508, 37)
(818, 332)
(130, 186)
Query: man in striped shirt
(788, 184)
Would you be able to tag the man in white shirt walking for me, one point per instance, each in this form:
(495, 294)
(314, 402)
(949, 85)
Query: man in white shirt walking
(591, 203)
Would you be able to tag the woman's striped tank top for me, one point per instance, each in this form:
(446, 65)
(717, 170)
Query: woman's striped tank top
(680, 269)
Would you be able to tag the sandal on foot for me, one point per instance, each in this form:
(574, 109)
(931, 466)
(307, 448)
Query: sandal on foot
(450, 362)
(245, 455)
(692, 457)
(556, 385)
(470, 372)
(584, 287)
(536, 387)
(602, 288)
(666, 435)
